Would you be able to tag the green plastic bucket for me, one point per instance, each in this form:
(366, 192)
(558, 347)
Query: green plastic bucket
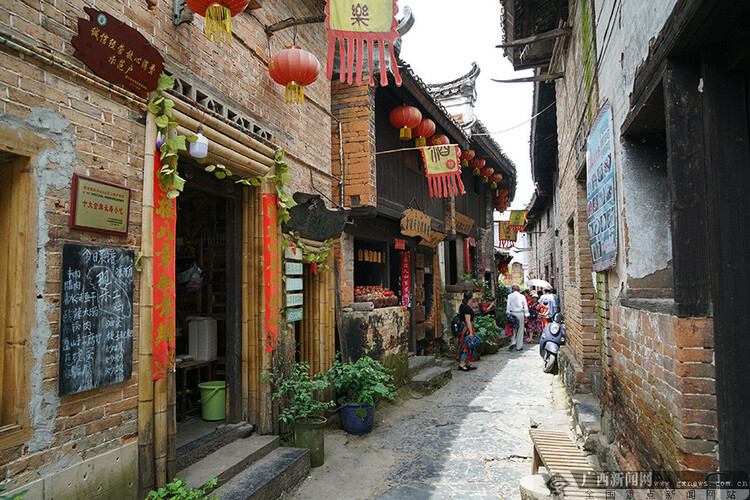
(213, 400)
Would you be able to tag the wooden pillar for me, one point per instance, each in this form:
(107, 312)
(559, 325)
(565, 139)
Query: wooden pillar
(687, 183)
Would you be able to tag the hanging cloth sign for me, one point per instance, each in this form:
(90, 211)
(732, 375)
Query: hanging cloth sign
(506, 234)
(355, 22)
(517, 220)
(443, 169)
(165, 225)
(271, 261)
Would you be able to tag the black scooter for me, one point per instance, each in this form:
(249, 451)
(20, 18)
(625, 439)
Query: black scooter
(553, 337)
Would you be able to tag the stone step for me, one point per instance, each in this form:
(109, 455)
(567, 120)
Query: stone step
(229, 460)
(196, 450)
(418, 364)
(268, 478)
(431, 379)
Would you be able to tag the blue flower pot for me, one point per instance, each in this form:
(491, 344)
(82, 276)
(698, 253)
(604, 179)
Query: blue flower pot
(353, 423)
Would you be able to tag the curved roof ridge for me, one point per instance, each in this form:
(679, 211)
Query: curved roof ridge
(471, 76)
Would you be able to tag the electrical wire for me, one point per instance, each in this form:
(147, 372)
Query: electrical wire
(518, 125)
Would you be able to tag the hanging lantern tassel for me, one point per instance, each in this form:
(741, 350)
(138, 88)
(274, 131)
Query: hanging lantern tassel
(295, 92)
(218, 23)
(420, 142)
(405, 133)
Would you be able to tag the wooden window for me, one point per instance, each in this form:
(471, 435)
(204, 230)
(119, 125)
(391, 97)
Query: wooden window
(17, 254)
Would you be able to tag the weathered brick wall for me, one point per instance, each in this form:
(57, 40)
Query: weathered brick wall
(662, 391)
(378, 333)
(97, 134)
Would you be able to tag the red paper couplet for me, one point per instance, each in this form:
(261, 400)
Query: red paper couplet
(405, 278)
(270, 269)
(165, 225)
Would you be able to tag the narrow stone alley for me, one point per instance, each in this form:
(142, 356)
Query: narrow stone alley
(468, 439)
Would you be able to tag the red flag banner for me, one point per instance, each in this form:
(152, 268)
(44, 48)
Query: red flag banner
(443, 169)
(517, 220)
(356, 22)
(506, 234)
(165, 225)
(270, 269)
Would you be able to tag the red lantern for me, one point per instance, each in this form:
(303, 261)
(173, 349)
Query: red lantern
(495, 179)
(295, 68)
(218, 14)
(424, 130)
(439, 140)
(486, 174)
(405, 118)
(467, 156)
(503, 192)
(477, 164)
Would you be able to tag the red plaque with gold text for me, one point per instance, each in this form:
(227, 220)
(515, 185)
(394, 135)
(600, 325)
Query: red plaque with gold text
(117, 52)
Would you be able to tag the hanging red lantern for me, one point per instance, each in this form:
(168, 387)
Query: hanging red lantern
(295, 68)
(477, 164)
(424, 130)
(218, 14)
(486, 174)
(495, 179)
(466, 157)
(439, 140)
(502, 192)
(405, 117)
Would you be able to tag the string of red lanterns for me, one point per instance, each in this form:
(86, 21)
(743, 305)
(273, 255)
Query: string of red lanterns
(405, 118)
(425, 129)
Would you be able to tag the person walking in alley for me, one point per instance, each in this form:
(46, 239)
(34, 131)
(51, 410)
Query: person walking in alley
(517, 306)
(550, 300)
(466, 343)
(537, 313)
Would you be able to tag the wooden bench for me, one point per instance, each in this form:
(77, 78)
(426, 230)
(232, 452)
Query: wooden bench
(559, 455)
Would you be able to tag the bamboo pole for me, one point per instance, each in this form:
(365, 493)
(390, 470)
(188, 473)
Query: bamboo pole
(254, 265)
(245, 300)
(236, 162)
(221, 138)
(218, 122)
(146, 464)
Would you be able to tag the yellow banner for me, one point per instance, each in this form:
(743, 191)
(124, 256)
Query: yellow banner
(441, 159)
(369, 16)
(517, 218)
(506, 234)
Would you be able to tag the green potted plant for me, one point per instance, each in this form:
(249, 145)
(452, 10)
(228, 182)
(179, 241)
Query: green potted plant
(360, 384)
(486, 329)
(302, 406)
(179, 490)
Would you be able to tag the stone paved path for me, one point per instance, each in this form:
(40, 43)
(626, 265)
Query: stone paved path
(467, 440)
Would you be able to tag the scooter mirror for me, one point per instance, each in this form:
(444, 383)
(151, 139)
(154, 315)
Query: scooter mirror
(559, 318)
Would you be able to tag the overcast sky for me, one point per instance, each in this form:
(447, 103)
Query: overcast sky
(446, 38)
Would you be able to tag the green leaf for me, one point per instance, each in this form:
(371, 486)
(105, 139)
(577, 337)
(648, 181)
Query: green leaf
(179, 183)
(220, 175)
(177, 142)
(192, 138)
(168, 105)
(210, 168)
(165, 82)
(138, 265)
(172, 194)
(162, 121)
(154, 108)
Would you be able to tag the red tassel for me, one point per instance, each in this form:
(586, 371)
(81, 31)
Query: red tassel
(350, 44)
(370, 48)
(314, 268)
(360, 60)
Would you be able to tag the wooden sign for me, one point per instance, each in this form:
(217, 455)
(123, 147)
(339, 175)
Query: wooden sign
(312, 220)
(292, 253)
(293, 284)
(405, 278)
(293, 268)
(433, 240)
(99, 207)
(293, 315)
(96, 317)
(463, 223)
(400, 244)
(419, 293)
(419, 314)
(117, 52)
(420, 260)
(419, 276)
(294, 299)
(415, 223)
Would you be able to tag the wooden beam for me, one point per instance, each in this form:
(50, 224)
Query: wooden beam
(546, 77)
(547, 35)
(288, 23)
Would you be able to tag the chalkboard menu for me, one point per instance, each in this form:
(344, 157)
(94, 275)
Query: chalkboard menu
(96, 317)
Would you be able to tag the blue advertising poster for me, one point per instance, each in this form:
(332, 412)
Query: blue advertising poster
(600, 191)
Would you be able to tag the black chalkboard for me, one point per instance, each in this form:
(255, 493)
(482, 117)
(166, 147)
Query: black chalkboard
(96, 317)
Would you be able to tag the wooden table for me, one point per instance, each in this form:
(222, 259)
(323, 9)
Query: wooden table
(182, 368)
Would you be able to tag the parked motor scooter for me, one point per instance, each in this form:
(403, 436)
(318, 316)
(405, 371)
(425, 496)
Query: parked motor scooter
(553, 337)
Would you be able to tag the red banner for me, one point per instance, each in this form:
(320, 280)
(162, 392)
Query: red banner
(405, 278)
(165, 222)
(270, 269)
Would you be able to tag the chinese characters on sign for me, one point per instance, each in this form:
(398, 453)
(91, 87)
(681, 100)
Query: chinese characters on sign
(463, 223)
(506, 235)
(517, 220)
(415, 223)
(400, 244)
(443, 170)
(293, 300)
(433, 239)
(165, 292)
(99, 206)
(405, 278)
(600, 191)
(117, 52)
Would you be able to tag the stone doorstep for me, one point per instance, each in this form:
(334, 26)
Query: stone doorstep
(192, 452)
(280, 471)
(229, 460)
(418, 364)
(431, 379)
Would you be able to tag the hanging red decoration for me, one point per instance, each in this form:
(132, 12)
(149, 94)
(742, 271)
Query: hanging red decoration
(439, 140)
(495, 179)
(295, 68)
(353, 24)
(466, 157)
(486, 173)
(477, 164)
(502, 192)
(424, 130)
(405, 118)
(218, 14)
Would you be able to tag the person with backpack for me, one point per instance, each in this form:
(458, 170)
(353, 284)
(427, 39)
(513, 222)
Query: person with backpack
(463, 324)
(517, 306)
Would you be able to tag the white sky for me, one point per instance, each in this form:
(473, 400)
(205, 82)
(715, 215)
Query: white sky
(446, 38)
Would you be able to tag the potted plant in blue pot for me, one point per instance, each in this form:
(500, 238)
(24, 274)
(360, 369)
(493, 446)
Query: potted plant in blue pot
(302, 406)
(360, 384)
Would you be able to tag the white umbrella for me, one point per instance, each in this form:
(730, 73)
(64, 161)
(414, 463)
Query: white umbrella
(538, 283)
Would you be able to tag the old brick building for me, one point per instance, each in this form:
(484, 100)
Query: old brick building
(58, 119)
(650, 334)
